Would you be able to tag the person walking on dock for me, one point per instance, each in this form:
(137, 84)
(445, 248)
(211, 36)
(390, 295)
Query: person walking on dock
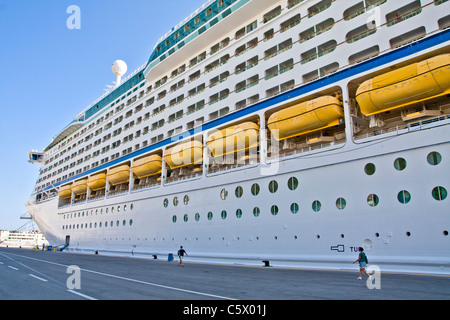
(362, 259)
(181, 254)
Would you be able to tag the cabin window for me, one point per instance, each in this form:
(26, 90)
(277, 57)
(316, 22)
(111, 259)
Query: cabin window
(255, 189)
(434, 158)
(316, 206)
(439, 193)
(404, 197)
(273, 186)
(373, 200)
(400, 164)
(223, 214)
(294, 208)
(239, 192)
(274, 210)
(292, 183)
(341, 203)
(370, 169)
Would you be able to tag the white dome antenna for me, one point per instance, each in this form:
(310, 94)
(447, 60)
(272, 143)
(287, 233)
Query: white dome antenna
(119, 68)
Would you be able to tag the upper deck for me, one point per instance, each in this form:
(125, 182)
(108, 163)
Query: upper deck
(283, 51)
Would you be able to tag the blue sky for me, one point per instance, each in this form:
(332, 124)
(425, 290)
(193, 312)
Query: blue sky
(51, 73)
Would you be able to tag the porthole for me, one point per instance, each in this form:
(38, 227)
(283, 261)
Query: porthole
(223, 214)
(186, 200)
(239, 192)
(117, 223)
(131, 207)
(292, 183)
(341, 203)
(124, 223)
(274, 210)
(166, 203)
(112, 209)
(404, 197)
(256, 212)
(255, 189)
(294, 208)
(273, 186)
(125, 208)
(445, 233)
(118, 209)
(434, 158)
(400, 164)
(408, 234)
(238, 213)
(223, 194)
(174, 219)
(185, 218)
(210, 215)
(197, 216)
(175, 201)
(439, 193)
(373, 200)
(369, 169)
(316, 206)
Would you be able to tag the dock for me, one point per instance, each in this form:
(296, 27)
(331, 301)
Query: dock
(36, 275)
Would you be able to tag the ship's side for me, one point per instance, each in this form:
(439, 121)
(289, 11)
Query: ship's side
(287, 131)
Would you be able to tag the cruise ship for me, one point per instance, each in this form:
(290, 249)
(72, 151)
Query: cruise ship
(287, 132)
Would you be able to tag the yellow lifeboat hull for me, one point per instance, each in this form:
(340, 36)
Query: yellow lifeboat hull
(80, 187)
(97, 182)
(65, 192)
(233, 139)
(306, 117)
(411, 84)
(184, 154)
(118, 175)
(147, 166)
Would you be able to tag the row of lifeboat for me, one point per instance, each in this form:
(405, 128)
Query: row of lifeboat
(411, 84)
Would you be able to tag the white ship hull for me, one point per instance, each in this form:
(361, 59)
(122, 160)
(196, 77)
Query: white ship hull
(335, 208)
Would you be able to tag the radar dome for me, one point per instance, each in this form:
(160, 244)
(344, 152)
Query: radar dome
(119, 68)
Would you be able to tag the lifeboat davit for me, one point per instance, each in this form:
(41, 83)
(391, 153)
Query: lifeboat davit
(79, 187)
(65, 192)
(233, 139)
(97, 182)
(306, 117)
(184, 154)
(147, 166)
(408, 85)
(118, 175)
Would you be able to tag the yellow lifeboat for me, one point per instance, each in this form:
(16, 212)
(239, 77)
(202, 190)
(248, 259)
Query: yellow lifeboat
(97, 182)
(233, 139)
(80, 187)
(306, 117)
(147, 166)
(118, 175)
(184, 154)
(411, 84)
(65, 192)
